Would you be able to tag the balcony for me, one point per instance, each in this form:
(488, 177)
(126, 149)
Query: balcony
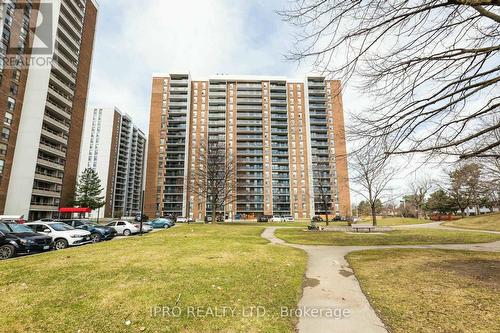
(58, 137)
(246, 115)
(64, 47)
(48, 179)
(63, 126)
(43, 208)
(58, 69)
(70, 26)
(52, 149)
(66, 36)
(77, 20)
(60, 97)
(50, 164)
(46, 193)
(249, 101)
(178, 105)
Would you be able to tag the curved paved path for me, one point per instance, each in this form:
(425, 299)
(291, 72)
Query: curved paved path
(331, 284)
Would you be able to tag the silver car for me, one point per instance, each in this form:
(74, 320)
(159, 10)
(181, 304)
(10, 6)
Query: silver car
(146, 227)
(124, 228)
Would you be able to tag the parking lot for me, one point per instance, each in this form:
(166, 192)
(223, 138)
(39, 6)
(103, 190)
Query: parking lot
(20, 239)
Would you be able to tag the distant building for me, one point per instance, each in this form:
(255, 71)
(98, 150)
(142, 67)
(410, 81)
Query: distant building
(286, 136)
(45, 61)
(114, 147)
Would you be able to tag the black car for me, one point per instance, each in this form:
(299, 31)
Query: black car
(16, 238)
(98, 233)
(264, 218)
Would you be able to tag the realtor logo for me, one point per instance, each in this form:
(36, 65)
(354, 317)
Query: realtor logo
(39, 33)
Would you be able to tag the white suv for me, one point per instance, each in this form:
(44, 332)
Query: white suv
(62, 234)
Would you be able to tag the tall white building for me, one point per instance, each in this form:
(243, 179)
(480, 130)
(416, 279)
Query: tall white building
(45, 61)
(115, 148)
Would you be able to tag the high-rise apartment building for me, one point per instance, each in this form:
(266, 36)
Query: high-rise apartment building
(45, 59)
(116, 149)
(286, 138)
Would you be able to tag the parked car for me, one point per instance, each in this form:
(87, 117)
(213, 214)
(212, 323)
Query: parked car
(288, 218)
(19, 219)
(44, 220)
(317, 219)
(62, 234)
(124, 228)
(17, 238)
(146, 227)
(98, 233)
(160, 223)
(277, 219)
(182, 219)
(264, 218)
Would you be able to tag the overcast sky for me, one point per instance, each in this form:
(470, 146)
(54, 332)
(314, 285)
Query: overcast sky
(204, 37)
(135, 39)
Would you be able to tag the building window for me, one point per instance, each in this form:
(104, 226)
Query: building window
(2, 163)
(11, 104)
(8, 119)
(5, 133)
(3, 149)
(13, 89)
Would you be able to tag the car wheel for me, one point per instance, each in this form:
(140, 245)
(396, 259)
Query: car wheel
(96, 238)
(126, 232)
(60, 244)
(166, 226)
(7, 252)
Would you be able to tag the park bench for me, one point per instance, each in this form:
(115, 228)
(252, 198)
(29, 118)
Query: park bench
(362, 227)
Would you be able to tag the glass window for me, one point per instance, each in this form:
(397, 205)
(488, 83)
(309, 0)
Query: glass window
(8, 119)
(11, 103)
(5, 133)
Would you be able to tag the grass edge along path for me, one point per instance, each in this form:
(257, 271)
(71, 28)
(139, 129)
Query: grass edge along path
(429, 291)
(416, 236)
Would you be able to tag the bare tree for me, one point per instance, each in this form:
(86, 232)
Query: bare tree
(323, 196)
(213, 178)
(373, 173)
(419, 190)
(431, 67)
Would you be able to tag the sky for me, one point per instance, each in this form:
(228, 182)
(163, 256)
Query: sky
(205, 37)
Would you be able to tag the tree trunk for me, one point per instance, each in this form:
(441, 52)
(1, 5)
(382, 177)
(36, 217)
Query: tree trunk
(327, 221)
(214, 214)
(374, 216)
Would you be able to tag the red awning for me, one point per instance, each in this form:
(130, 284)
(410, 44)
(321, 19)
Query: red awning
(75, 210)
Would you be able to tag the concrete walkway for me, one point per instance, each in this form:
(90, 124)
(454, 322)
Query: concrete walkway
(331, 284)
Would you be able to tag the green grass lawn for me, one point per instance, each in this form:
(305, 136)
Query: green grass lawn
(483, 222)
(430, 291)
(392, 221)
(396, 237)
(99, 288)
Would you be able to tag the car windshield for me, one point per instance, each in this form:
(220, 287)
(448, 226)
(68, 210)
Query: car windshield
(4, 228)
(61, 227)
(19, 228)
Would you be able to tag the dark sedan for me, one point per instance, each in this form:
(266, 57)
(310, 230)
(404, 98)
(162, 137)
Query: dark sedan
(16, 238)
(98, 233)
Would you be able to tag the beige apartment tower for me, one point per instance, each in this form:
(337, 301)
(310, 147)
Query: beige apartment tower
(46, 49)
(285, 137)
